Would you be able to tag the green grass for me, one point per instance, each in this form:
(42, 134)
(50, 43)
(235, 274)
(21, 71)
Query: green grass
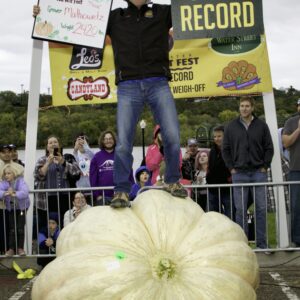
(272, 242)
(271, 223)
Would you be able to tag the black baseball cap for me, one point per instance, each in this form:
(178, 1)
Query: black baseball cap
(7, 146)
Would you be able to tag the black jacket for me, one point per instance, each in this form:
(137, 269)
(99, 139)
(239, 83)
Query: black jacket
(217, 171)
(188, 168)
(140, 41)
(247, 149)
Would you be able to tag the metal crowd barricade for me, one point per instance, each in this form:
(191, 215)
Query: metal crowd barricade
(277, 209)
(32, 227)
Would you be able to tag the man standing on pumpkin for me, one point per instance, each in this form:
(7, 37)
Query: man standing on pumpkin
(140, 41)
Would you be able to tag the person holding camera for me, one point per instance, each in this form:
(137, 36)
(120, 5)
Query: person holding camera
(83, 155)
(54, 171)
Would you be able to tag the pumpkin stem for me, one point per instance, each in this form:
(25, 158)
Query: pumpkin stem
(165, 269)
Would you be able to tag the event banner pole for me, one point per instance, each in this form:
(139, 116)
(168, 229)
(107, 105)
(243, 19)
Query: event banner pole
(31, 131)
(271, 119)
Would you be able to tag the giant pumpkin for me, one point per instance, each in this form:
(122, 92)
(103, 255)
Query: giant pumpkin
(163, 248)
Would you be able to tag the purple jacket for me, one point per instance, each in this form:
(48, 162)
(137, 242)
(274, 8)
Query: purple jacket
(22, 194)
(101, 172)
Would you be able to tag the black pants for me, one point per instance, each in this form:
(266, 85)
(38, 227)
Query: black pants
(199, 195)
(16, 223)
(3, 231)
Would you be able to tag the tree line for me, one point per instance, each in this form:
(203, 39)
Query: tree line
(197, 117)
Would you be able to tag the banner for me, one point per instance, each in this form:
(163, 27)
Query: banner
(214, 18)
(200, 68)
(76, 22)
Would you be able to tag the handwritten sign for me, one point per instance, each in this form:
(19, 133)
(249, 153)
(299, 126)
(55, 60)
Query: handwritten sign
(77, 22)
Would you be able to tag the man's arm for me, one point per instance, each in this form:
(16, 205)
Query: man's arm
(268, 148)
(289, 140)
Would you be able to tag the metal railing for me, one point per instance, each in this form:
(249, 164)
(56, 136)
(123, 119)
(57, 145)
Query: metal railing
(277, 212)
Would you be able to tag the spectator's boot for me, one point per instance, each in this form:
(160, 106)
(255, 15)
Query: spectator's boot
(9, 253)
(120, 200)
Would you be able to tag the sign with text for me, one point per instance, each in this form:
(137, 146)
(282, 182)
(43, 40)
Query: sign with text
(200, 68)
(76, 22)
(214, 18)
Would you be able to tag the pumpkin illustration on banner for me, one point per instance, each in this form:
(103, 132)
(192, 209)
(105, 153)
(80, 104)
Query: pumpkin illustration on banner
(239, 75)
(44, 28)
(163, 248)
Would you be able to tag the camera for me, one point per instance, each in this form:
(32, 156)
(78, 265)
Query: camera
(56, 151)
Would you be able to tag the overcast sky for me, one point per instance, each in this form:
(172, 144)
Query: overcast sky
(281, 19)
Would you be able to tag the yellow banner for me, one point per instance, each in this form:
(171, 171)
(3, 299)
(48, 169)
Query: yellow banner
(200, 68)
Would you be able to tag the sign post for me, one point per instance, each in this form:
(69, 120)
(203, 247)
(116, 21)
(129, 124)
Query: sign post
(31, 130)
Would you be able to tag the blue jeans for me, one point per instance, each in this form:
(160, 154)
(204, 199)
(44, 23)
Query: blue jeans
(240, 196)
(221, 202)
(295, 207)
(132, 96)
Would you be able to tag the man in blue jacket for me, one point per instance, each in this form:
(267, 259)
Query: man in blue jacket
(248, 152)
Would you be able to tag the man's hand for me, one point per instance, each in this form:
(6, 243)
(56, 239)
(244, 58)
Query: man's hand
(36, 10)
(79, 143)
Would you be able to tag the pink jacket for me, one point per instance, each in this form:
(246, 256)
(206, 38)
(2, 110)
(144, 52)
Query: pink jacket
(154, 159)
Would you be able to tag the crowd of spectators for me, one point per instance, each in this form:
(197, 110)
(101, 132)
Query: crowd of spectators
(241, 152)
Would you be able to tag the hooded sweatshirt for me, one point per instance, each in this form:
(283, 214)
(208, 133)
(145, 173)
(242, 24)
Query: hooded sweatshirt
(101, 172)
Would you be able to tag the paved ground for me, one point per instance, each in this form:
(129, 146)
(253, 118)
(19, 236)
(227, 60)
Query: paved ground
(279, 278)
(279, 283)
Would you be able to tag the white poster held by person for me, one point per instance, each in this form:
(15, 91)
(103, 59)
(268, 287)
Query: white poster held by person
(76, 22)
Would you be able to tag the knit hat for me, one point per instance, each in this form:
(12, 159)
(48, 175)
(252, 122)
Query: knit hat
(53, 216)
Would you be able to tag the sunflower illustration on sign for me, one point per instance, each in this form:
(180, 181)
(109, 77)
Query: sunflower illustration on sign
(239, 75)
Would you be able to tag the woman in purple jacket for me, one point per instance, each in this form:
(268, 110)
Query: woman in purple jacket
(14, 191)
